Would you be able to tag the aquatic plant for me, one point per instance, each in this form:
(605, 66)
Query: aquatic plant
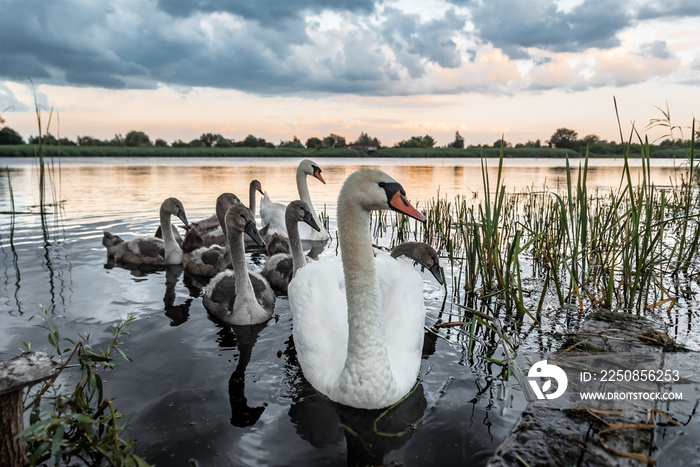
(611, 248)
(82, 425)
(47, 170)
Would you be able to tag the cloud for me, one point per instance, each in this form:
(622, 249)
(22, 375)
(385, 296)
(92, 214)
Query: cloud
(9, 102)
(668, 8)
(414, 42)
(656, 49)
(35, 44)
(269, 13)
(515, 26)
(318, 47)
(617, 67)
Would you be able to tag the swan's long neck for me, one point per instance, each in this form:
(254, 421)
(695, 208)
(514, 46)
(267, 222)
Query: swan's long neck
(244, 289)
(173, 253)
(298, 258)
(367, 356)
(221, 215)
(252, 198)
(303, 189)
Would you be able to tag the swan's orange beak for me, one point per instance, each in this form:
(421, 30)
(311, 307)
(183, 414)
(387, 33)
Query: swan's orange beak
(317, 174)
(401, 204)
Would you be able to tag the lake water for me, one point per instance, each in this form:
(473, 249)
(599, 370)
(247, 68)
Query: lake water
(201, 391)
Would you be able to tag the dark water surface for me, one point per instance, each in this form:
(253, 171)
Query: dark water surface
(218, 395)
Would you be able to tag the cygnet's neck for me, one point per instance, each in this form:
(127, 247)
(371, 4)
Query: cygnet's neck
(251, 197)
(298, 257)
(173, 252)
(244, 289)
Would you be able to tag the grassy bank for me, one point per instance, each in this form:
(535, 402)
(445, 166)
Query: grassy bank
(28, 150)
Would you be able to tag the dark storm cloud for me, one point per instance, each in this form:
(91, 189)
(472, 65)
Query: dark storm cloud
(36, 44)
(414, 41)
(513, 25)
(22, 66)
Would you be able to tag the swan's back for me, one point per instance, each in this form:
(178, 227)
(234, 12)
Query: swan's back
(139, 250)
(272, 216)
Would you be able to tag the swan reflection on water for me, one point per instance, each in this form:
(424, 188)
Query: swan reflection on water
(370, 435)
(180, 313)
(242, 415)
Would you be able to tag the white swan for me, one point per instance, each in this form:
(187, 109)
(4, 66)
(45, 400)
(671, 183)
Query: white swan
(272, 214)
(281, 267)
(150, 250)
(358, 320)
(239, 297)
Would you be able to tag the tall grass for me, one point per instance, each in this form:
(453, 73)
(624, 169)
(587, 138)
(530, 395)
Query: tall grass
(615, 248)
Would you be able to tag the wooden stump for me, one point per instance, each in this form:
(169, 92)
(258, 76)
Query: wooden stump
(15, 374)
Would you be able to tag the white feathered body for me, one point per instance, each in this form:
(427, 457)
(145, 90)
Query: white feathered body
(321, 332)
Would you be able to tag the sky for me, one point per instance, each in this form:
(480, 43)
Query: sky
(393, 69)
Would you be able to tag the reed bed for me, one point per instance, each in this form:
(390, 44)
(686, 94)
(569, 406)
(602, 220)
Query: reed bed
(575, 249)
(623, 248)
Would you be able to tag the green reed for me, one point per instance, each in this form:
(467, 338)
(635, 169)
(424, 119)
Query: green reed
(47, 169)
(325, 220)
(614, 248)
(686, 251)
(12, 206)
(609, 248)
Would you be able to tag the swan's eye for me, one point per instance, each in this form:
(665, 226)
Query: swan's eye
(382, 184)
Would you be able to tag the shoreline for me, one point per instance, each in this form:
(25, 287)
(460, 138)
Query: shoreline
(27, 150)
(568, 431)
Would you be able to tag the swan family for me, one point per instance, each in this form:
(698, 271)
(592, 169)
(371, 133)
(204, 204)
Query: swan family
(358, 319)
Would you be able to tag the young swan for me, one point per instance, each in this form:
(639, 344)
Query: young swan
(277, 243)
(358, 321)
(281, 267)
(203, 260)
(212, 222)
(239, 296)
(272, 214)
(423, 254)
(150, 250)
(212, 229)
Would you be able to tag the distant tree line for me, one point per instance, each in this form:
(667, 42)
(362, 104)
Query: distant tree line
(563, 138)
